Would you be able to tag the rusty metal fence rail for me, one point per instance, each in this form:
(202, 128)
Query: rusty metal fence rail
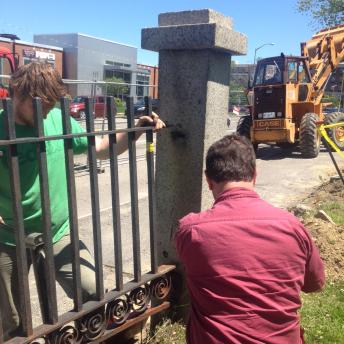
(126, 303)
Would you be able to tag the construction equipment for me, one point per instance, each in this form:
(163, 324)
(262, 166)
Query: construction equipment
(8, 64)
(285, 98)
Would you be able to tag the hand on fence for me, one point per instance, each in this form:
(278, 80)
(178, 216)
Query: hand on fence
(153, 120)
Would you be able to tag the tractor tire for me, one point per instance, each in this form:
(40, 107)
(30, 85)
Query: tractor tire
(244, 126)
(336, 134)
(244, 129)
(309, 136)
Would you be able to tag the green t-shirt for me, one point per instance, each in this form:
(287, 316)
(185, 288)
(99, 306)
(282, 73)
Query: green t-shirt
(29, 179)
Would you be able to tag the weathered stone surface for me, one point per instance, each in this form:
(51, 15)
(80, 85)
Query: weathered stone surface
(194, 69)
(191, 37)
(194, 101)
(204, 16)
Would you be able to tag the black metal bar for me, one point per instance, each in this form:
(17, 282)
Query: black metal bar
(133, 191)
(72, 205)
(329, 150)
(151, 189)
(116, 220)
(69, 136)
(21, 257)
(51, 314)
(97, 242)
(38, 267)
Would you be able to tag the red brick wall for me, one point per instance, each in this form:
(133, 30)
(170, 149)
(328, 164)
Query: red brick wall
(27, 49)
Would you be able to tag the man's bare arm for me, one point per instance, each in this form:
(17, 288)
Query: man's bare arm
(102, 144)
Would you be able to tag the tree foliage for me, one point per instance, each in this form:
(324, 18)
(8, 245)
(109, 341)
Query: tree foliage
(114, 87)
(324, 13)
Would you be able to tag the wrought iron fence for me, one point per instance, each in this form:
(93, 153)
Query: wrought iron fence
(126, 303)
(99, 90)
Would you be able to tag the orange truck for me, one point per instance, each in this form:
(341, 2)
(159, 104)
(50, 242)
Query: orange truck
(285, 98)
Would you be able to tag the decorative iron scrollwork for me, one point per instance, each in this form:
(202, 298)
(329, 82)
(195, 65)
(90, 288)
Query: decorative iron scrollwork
(139, 298)
(66, 335)
(93, 325)
(115, 313)
(161, 287)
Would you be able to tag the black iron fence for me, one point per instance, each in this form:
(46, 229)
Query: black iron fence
(125, 303)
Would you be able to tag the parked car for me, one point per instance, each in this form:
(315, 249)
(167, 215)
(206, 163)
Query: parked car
(140, 107)
(77, 107)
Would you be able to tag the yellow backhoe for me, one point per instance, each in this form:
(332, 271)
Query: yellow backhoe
(285, 98)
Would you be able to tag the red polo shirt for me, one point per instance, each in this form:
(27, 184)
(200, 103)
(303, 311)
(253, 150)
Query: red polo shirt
(246, 263)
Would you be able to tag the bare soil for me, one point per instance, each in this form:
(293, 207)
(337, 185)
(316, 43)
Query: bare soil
(328, 237)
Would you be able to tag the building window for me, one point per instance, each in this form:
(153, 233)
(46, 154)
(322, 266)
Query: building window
(142, 79)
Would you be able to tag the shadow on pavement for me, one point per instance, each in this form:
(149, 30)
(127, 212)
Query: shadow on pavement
(273, 152)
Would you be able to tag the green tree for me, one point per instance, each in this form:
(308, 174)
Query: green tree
(324, 13)
(114, 87)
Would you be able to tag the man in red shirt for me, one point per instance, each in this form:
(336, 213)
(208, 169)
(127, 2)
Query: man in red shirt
(246, 261)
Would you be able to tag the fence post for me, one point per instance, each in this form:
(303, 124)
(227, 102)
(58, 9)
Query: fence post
(195, 49)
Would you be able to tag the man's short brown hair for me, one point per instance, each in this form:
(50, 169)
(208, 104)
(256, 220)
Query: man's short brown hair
(38, 80)
(231, 159)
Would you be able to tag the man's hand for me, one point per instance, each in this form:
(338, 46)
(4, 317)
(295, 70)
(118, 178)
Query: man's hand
(102, 144)
(153, 120)
(2, 220)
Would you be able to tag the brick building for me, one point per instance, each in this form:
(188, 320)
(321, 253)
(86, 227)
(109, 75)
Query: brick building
(27, 52)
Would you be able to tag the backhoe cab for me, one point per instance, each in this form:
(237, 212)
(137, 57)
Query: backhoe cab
(285, 98)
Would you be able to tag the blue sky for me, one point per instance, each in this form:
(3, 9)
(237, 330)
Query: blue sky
(262, 22)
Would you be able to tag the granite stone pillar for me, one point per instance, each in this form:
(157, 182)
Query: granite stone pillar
(195, 49)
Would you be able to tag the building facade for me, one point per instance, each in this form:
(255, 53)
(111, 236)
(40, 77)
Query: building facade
(149, 75)
(88, 58)
(27, 52)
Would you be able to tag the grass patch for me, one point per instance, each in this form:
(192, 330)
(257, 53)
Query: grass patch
(168, 333)
(322, 315)
(335, 210)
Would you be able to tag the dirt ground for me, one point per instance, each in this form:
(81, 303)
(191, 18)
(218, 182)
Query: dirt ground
(328, 237)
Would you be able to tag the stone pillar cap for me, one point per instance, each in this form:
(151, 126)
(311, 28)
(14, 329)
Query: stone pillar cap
(204, 16)
(194, 30)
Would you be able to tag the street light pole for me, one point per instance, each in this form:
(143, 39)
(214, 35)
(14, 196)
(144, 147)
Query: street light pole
(254, 60)
(255, 51)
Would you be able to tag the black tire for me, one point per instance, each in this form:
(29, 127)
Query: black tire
(309, 136)
(244, 126)
(244, 129)
(82, 114)
(336, 134)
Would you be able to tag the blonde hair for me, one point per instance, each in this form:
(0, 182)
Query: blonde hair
(38, 80)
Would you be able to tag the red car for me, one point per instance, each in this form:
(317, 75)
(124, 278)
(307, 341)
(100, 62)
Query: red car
(77, 107)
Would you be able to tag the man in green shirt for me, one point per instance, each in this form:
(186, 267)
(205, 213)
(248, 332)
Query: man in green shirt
(42, 80)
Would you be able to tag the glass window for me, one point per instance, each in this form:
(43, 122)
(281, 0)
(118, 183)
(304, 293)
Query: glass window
(269, 72)
(259, 76)
(303, 76)
(273, 74)
(292, 71)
